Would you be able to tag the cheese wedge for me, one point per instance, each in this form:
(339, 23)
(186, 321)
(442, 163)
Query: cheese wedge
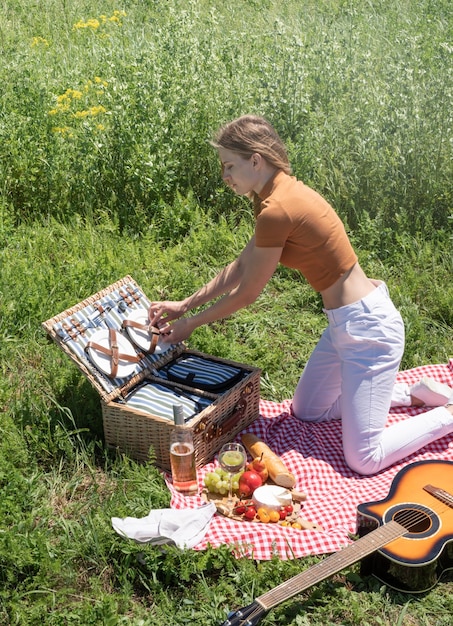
(271, 497)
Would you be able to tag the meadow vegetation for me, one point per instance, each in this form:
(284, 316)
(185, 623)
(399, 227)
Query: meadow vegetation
(105, 170)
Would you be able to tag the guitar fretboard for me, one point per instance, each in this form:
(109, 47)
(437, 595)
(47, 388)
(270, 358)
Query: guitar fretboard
(332, 564)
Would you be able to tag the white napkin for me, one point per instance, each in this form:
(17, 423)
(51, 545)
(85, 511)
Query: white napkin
(183, 527)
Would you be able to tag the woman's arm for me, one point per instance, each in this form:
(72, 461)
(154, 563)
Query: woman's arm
(243, 280)
(225, 280)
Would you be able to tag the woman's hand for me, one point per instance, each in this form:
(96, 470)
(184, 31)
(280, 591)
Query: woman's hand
(178, 331)
(160, 313)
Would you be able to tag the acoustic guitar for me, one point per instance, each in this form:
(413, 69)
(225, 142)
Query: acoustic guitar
(409, 531)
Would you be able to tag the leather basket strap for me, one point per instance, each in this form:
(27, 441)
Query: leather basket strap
(152, 330)
(113, 352)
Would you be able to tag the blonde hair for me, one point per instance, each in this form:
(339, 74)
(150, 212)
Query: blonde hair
(250, 134)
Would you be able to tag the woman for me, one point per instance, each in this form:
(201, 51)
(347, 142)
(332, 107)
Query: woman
(351, 373)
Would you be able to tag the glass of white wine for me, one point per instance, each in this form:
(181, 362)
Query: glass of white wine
(232, 459)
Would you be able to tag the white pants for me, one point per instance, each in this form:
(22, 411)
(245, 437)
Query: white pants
(351, 375)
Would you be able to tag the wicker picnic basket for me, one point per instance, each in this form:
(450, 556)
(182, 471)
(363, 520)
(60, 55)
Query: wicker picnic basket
(132, 425)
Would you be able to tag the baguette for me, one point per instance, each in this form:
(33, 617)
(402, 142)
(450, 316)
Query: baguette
(278, 472)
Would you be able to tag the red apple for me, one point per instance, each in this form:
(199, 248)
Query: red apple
(248, 482)
(259, 466)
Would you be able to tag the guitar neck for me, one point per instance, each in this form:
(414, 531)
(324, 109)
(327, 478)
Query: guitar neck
(331, 565)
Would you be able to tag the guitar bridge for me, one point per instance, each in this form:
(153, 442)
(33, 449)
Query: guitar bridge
(440, 494)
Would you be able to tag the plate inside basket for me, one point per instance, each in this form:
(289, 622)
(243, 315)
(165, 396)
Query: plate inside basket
(104, 362)
(141, 336)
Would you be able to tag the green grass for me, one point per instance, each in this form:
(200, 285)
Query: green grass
(123, 181)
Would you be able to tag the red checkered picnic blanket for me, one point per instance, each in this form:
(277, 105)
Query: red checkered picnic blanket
(313, 452)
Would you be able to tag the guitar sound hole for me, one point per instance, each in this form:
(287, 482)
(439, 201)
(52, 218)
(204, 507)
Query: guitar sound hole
(416, 521)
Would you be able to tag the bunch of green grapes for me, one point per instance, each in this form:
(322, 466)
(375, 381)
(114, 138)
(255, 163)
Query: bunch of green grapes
(217, 481)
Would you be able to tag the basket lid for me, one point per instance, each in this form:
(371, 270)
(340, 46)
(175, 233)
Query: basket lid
(107, 338)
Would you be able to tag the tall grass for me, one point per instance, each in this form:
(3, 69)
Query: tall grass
(110, 110)
(105, 170)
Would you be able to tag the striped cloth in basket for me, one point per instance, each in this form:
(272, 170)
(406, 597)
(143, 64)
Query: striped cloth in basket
(159, 400)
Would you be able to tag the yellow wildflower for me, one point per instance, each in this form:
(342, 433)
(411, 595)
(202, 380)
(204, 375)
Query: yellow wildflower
(116, 17)
(91, 23)
(62, 130)
(75, 94)
(64, 101)
(36, 41)
(91, 112)
(100, 81)
(97, 110)
(95, 23)
(92, 90)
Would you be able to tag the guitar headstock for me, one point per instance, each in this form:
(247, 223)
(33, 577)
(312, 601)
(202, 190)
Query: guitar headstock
(247, 616)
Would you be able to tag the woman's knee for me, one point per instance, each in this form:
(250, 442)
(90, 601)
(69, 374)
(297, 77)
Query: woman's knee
(313, 415)
(365, 464)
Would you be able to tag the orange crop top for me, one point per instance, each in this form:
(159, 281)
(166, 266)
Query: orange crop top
(295, 217)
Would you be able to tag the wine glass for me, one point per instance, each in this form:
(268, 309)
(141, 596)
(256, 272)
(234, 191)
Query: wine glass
(232, 458)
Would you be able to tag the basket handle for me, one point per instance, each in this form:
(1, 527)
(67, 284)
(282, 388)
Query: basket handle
(220, 428)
